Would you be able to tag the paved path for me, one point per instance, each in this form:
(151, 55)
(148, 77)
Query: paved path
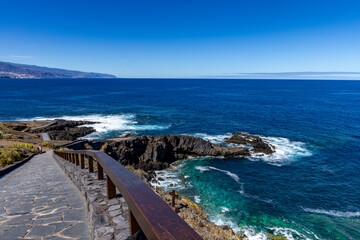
(46, 125)
(37, 201)
(45, 137)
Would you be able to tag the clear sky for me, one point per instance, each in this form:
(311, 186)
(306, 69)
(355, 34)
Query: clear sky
(167, 38)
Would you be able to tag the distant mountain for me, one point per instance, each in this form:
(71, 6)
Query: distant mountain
(15, 70)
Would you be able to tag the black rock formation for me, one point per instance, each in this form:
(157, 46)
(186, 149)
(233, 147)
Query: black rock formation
(66, 130)
(257, 143)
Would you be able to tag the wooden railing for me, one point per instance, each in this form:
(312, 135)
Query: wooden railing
(147, 210)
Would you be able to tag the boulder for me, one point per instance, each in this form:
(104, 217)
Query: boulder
(257, 143)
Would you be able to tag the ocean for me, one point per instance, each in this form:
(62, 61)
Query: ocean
(308, 189)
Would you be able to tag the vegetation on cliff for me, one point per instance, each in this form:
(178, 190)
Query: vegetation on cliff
(16, 152)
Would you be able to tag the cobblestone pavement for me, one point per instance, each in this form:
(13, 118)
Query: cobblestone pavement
(37, 201)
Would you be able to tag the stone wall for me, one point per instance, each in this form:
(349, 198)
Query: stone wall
(108, 219)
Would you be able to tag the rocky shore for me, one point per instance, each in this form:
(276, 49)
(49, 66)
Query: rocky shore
(151, 153)
(191, 212)
(158, 152)
(66, 130)
(145, 154)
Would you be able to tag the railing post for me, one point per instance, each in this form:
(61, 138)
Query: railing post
(134, 225)
(77, 159)
(100, 171)
(110, 188)
(82, 161)
(173, 195)
(91, 164)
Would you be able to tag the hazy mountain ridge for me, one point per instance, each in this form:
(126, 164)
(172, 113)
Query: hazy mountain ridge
(14, 70)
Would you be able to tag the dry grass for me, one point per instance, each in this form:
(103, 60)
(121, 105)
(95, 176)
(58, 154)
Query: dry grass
(15, 152)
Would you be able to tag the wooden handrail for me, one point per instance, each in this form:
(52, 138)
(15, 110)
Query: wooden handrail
(147, 210)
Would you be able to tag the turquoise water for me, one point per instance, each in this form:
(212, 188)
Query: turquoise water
(309, 189)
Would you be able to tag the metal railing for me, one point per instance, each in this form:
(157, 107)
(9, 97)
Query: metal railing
(147, 210)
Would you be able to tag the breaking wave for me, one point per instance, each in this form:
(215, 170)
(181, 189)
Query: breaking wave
(333, 212)
(208, 168)
(286, 150)
(253, 234)
(106, 123)
(166, 178)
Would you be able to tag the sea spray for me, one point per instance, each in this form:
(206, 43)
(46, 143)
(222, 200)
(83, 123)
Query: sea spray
(107, 125)
(285, 150)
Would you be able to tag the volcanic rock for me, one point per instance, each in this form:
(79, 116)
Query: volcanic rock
(66, 130)
(257, 143)
(158, 152)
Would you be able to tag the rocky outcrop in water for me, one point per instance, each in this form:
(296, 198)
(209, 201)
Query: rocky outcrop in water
(66, 130)
(257, 143)
(158, 152)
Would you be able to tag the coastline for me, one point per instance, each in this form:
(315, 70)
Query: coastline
(307, 189)
(191, 212)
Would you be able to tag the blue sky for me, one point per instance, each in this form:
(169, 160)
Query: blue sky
(162, 38)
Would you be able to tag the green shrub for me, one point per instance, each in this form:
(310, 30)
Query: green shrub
(7, 135)
(275, 237)
(16, 152)
(27, 147)
(8, 155)
(63, 149)
(48, 144)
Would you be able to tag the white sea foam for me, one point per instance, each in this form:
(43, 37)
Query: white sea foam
(289, 233)
(286, 150)
(167, 179)
(197, 199)
(334, 213)
(106, 123)
(218, 139)
(170, 178)
(253, 234)
(202, 169)
(225, 209)
(247, 230)
(208, 168)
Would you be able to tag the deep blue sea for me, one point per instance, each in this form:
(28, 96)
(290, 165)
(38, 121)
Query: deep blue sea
(308, 189)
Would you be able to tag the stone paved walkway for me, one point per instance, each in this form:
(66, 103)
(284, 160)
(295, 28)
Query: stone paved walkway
(45, 137)
(37, 201)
